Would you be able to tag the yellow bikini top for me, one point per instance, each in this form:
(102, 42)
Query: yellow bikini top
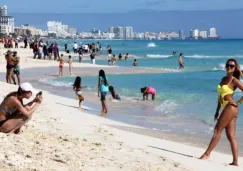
(224, 89)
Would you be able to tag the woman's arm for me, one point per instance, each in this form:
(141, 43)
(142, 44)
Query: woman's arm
(239, 85)
(23, 110)
(99, 83)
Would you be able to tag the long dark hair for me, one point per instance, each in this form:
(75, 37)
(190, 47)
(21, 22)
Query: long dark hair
(16, 93)
(237, 73)
(102, 74)
(77, 83)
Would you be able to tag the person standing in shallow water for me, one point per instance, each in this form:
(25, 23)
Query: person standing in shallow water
(229, 114)
(180, 61)
(103, 88)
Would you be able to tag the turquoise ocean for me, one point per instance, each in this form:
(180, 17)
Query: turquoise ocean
(186, 99)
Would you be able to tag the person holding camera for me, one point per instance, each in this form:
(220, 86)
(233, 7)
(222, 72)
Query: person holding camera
(13, 113)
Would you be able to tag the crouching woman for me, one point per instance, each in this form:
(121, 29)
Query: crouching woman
(13, 113)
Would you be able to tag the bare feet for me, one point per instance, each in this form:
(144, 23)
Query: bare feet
(234, 164)
(204, 157)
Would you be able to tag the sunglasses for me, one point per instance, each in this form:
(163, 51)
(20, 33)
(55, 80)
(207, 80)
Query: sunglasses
(229, 66)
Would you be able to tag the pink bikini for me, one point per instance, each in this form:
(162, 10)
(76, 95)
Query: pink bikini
(151, 90)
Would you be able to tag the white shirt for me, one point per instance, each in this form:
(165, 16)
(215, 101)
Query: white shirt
(75, 46)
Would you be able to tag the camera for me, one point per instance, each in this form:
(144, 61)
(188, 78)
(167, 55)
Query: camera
(39, 94)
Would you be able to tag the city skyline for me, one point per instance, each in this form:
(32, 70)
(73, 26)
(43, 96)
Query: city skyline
(143, 21)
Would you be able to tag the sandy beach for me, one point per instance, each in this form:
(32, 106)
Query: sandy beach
(60, 137)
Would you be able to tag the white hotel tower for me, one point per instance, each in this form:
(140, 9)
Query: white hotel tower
(6, 22)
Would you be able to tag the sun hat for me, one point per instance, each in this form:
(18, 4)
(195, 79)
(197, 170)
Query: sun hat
(28, 87)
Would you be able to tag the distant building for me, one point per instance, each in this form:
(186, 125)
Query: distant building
(213, 32)
(128, 32)
(56, 27)
(172, 35)
(3, 11)
(111, 29)
(6, 22)
(120, 33)
(203, 34)
(106, 35)
(65, 28)
(138, 36)
(72, 31)
(181, 34)
(27, 30)
(194, 33)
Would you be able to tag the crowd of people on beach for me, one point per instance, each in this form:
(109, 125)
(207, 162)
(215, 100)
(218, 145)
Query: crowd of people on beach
(14, 114)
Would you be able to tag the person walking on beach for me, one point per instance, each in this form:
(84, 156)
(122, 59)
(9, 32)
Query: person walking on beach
(180, 61)
(70, 62)
(25, 42)
(11, 62)
(92, 57)
(230, 110)
(148, 90)
(102, 90)
(50, 51)
(75, 48)
(16, 70)
(77, 87)
(13, 113)
(80, 56)
(55, 51)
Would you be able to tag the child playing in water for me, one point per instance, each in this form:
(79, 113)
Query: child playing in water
(70, 61)
(113, 93)
(61, 65)
(148, 90)
(77, 87)
(109, 62)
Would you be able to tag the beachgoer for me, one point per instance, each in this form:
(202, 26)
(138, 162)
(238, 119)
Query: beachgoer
(50, 51)
(135, 62)
(75, 47)
(114, 94)
(113, 59)
(11, 62)
(55, 51)
(16, 70)
(65, 47)
(61, 65)
(148, 90)
(70, 62)
(109, 51)
(102, 90)
(109, 62)
(80, 56)
(13, 113)
(77, 87)
(180, 61)
(45, 51)
(229, 114)
(120, 56)
(126, 57)
(92, 57)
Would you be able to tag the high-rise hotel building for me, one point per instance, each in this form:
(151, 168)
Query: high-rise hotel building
(6, 22)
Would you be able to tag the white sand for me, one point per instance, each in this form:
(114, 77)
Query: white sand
(60, 137)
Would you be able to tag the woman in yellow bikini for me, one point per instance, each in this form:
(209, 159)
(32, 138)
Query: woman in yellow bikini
(227, 119)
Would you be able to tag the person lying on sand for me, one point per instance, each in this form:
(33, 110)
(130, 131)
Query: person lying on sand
(13, 113)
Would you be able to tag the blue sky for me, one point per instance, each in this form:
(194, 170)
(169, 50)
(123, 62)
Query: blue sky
(65, 6)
